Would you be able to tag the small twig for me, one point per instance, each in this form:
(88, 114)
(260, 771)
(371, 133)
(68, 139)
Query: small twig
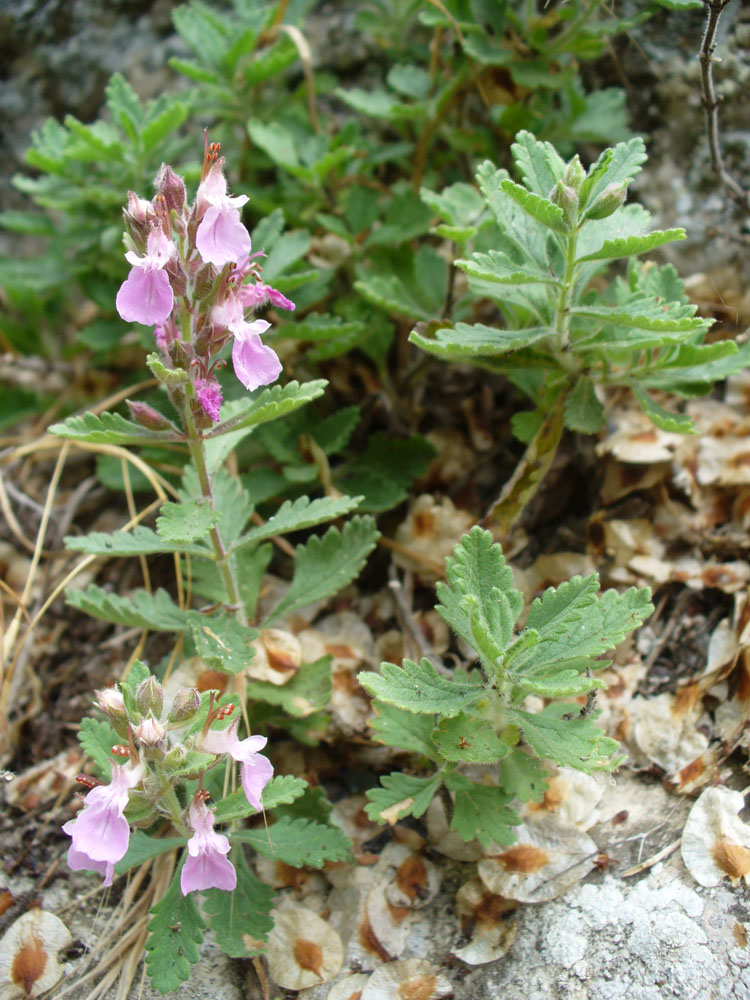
(654, 859)
(711, 100)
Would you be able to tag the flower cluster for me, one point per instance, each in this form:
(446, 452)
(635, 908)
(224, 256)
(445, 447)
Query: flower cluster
(194, 278)
(158, 746)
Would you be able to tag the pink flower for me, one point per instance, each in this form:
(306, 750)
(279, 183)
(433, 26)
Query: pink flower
(207, 866)
(255, 296)
(221, 238)
(256, 770)
(146, 295)
(208, 392)
(100, 831)
(254, 362)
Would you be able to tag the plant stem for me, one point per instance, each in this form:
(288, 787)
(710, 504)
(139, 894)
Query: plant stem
(711, 100)
(562, 317)
(198, 455)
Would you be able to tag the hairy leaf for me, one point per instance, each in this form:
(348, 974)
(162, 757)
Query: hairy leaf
(270, 404)
(142, 847)
(401, 795)
(138, 609)
(307, 692)
(222, 641)
(570, 742)
(110, 428)
(174, 933)
(97, 739)
(298, 842)
(468, 738)
(419, 688)
(295, 515)
(481, 812)
(186, 522)
(241, 920)
(139, 541)
(396, 728)
(280, 790)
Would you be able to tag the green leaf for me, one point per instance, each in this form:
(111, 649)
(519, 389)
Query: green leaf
(481, 812)
(576, 742)
(307, 692)
(279, 791)
(396, 728)
(645, 314)
(295, 515)
(97, 737)
(109, 428)
(477, 341)
(401, 795)
(142, 847)
(630, 245)
(326, 564)
(174, 933)
(124, 106)
(468, 738)
(676, 423)
(186, 522)
(385, 470)
(241, 920)
(501, 268)
(583, 409)
(538, 207)
(419, 688)
(460, 205)
(522, 776)
(405, 218)
(138, 609)
(139, 541)
(407, 284)
(272, 403)
(478, 571)
(539, 162)
(618, 165)
(222, 641)
(161, 125)
(298, 842)
(559, 682)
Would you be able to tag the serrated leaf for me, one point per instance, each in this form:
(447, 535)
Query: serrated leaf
(477, 340)
(142, 847)
(124, 106)
(280, 790)
(109, 428)
(298, 842)
(501, 268)
(186, 522)
(573, 623)
(174, 933)
(401, 795)
(97, 737)
(295, 515)
(309, 691)
(522, 776)
(557, 682)
(419, 688)
(676, 423)
(272, 403)
(481, 812)
(326, 564)
(139, 541)
(537, 206)
(645, 314)
(397, 728)
(539, 162)
(222, 641)
(618, 165)
(384, 470)
(583, 408)
(240, 920)
(479, 582)
(628, 246)
(138, 609)
(576, 742)
(468, 738)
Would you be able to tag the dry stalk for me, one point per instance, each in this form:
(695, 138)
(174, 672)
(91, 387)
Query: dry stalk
(711, 101)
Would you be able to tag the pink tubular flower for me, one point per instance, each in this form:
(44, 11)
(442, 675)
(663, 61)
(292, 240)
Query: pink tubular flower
(255, 363)
(255, 296)
(208, 392)
(207, 866)
(146, 295)
(256, 770)
(221, 238)
(100, 831)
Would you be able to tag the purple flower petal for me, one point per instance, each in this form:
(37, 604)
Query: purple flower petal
(255, 774)
(208, 392)
(79, 861)
(206, 866)
(255, 363)
(221, 237)
(145, 297)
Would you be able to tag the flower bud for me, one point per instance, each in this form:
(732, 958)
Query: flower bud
(574, 174)
(608, 201)
(111, 702)
(566, 198)
(172, 189)
(151, 733)
(149, 697)
(139, 210)
(147, 416)
(186, 703)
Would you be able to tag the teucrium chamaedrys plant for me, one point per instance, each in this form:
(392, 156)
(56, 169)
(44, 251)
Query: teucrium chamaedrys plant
(563, 338)
(477, 716)
(194, 278)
